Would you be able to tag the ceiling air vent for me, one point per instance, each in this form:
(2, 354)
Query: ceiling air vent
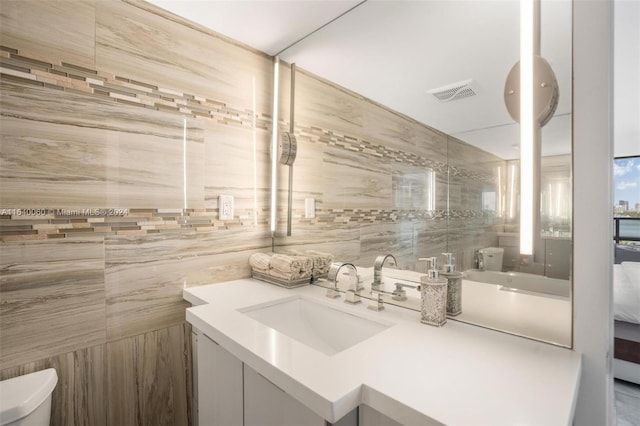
(454, 91)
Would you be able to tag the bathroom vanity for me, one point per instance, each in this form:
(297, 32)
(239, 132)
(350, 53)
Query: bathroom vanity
(293, 356)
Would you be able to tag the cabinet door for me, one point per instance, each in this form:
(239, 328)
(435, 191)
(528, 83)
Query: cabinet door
(219, 385)
(557, 256)
(265, 404)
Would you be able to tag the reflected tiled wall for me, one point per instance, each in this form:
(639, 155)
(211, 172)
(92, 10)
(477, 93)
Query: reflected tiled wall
(382, 182)
(121, 125)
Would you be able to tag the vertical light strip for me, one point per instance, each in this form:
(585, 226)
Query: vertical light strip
(512, 191)
(274, 143)
(499, 208)
(184, 161)
(255, 154)
(431, 191)
(526, 127)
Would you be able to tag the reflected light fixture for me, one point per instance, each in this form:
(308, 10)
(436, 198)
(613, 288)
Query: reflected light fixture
(527, 150)
(531, 97)
(274, 143)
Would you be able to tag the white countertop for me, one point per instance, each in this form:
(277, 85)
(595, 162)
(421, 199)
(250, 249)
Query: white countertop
(458, 374)
(536, 315)
(539, 316)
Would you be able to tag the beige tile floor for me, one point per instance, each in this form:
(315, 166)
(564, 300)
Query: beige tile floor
(627, 403)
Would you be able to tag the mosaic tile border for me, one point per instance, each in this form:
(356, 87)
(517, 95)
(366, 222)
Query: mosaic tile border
(327, 137)
(73, 78)
(42, 224)
(37, 224)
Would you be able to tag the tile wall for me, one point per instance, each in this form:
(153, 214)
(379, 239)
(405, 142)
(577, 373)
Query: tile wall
(121, 125)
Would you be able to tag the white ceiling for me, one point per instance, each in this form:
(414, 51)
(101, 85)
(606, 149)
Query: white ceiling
(395, 51)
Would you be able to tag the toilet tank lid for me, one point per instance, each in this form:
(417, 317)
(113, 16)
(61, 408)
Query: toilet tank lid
(19, 396)
(492, 250)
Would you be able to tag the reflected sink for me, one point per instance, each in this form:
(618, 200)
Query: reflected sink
(315, 324)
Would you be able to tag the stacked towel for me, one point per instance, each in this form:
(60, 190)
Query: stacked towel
(306, 265)
(283, 266)
(260, 262)
(321, 261)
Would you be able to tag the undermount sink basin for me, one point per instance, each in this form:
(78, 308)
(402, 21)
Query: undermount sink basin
(315, 324)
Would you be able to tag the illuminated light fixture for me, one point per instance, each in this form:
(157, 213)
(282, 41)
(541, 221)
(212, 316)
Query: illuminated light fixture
(184, 162)
(527, 135)
(531, 97)
(512, 191)
(255, 153)
(274, 143)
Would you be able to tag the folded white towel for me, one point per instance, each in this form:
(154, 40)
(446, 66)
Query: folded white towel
(285, 263)
(321, 261)
(260, 261)
(306, 265)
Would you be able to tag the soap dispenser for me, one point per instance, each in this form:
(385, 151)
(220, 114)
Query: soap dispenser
(454, 286)
(433, 291)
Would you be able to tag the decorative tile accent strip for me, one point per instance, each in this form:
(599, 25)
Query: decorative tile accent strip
(320, 136)
(49, 223)
(65, 76)
(70, 77)
(41, 224)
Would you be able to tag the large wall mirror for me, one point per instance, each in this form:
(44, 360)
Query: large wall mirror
(405, 147)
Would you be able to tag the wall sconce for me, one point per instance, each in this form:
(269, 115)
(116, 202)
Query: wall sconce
(531, 97)
(283, 149)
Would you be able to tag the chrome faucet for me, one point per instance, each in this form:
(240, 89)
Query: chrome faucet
(332, 276)
(377, 270)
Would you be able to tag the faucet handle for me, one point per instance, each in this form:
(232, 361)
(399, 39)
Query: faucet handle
(377, 305)
(400, 293)
(332, 293)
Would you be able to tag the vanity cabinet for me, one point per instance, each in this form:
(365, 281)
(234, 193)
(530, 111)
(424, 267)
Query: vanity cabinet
(232, 393)
(266, 404)
(219, 385)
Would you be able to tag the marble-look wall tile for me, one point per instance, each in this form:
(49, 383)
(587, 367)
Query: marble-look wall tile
(143, 380)
(238, 162)
(388, 238)
(145, 276)
(52, 298)
(466, 194)
(51, 165)
(419, 188)
(462, 154)
(149, 378)
(79, 397)
(341, 240)
(352, 180)
(431, 238)
(396, 131)
(327, 106)
(98, 152)
(64, 30)
(148, 171)
(148, 44)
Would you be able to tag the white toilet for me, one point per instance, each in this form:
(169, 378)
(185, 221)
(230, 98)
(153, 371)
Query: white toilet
(26, 400)
(492, 258)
